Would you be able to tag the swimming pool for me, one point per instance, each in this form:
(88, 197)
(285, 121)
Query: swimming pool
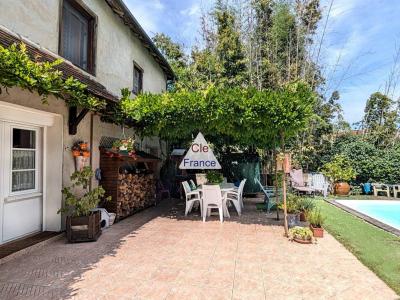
(385, 211)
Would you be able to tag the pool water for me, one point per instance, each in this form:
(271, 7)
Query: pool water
(385, 211)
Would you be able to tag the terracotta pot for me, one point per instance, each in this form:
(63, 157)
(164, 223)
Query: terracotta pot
(341, 188)
(303, 217)
(83, 146)
(318, 232)
(302, 241)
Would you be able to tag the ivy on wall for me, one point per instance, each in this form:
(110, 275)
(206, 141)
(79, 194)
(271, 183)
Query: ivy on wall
(18, 69)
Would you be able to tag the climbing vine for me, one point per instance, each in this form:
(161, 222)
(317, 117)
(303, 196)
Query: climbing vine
(18, 69)
(241, 116)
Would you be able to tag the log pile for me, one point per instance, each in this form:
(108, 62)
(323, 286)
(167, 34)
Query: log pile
(135, 192)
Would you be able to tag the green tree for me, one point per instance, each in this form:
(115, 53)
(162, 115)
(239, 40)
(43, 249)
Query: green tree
(229, 47)
(380, 119)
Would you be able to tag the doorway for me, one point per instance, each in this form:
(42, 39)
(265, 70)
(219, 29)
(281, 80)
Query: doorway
(21, 197)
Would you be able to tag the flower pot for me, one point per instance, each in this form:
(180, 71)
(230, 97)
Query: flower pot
(301, 241)
(341, 188)
(76, 153)
(293, 220)
(83, 146)
(318, 232)
(80, 162)
(84, 228)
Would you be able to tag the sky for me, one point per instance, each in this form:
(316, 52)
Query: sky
(357, 53)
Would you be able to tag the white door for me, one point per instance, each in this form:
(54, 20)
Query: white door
(20, 180)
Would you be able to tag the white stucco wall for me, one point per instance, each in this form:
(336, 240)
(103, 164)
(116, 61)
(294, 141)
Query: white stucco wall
(59, 159)
(116, 49)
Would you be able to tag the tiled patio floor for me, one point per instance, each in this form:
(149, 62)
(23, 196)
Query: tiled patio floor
(159, 254)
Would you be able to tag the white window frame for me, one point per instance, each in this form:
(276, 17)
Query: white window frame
(38, 162)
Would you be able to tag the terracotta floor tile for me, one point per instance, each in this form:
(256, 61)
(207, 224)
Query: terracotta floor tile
(159, 254)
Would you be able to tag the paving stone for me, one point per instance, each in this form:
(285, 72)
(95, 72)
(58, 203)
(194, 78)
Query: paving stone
(160, 254)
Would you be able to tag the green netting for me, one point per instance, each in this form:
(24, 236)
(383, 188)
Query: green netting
(237, 166)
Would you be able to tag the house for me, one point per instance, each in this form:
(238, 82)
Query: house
(104, 47)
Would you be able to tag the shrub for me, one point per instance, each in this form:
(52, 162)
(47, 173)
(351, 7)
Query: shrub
(306, 205)
(214, 177)
(302, 233)
(339, 169)
(315, 218)
(292, 204)
(81, 205)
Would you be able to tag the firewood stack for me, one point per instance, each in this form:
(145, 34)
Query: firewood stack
(135, 192)
(130, 187)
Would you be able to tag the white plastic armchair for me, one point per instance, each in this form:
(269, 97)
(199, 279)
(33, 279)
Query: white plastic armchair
(320, 184)
(212, 198)
(191, 197)
(236, 197)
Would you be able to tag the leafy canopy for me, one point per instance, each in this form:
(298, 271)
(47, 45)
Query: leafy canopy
(339, 169)
(242, 116)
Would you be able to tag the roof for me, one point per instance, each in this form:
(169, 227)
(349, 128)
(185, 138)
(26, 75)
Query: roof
(129, 20)
(7, 38)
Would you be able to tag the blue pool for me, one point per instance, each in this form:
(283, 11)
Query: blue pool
(385, 211)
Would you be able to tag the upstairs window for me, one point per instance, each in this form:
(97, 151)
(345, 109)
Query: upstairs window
(77, 35)
(137, 80)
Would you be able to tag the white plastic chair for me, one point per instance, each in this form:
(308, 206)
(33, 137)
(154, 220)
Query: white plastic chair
(212, 198)
(236, 197)
(319, 183)
(191, 197)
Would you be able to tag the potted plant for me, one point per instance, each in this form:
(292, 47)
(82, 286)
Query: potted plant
(340, 172)
(214, 177)
(125, 146)
(81, 153)
(316, 220)
(305, 205)
(82, 224)
(293, 213)
(302, 235)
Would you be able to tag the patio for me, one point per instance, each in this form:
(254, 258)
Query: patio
(159, 254)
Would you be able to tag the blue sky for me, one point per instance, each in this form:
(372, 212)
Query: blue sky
(357, 51)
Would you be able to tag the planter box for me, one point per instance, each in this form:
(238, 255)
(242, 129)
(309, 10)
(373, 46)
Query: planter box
(318, 232)
(84, 229)
(293, 220)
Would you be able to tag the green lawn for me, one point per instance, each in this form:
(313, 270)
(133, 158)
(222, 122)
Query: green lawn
(375, 248)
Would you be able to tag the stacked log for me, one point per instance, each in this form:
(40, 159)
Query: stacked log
(135, 192)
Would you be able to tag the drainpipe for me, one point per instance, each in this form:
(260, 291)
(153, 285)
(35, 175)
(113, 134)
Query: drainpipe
(91, 147)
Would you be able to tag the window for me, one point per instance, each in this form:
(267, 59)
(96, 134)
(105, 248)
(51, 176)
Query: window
(77, 35)
(24, 164)
(137, 80)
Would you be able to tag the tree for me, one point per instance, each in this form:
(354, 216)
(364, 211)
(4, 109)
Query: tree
(380, 119)
(176, 58)
(229, 48)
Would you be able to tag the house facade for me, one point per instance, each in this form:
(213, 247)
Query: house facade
(103, 46)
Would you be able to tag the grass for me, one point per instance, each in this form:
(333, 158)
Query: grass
(374, 247)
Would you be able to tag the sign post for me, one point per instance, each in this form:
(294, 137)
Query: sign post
(199, 156)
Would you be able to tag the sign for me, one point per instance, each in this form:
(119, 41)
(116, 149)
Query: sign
(199, 156)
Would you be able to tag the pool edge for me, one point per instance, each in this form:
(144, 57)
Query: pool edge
(366, 218)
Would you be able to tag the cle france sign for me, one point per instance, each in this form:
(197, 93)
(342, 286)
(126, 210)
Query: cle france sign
(199, 156)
